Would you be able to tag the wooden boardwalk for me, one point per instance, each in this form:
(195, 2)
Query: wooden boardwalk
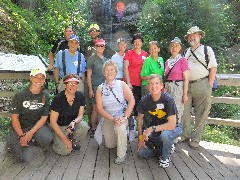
(210, 161)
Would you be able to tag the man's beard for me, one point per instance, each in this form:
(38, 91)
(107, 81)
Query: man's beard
(194, 42)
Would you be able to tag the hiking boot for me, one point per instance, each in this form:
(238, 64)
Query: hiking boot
(164, 163)
(194, 144)
(120, 160)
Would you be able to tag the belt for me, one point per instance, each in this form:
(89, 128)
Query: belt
(198, 79)
(174, 80)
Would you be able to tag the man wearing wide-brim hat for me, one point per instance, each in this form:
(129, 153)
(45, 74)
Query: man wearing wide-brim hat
(201, 77)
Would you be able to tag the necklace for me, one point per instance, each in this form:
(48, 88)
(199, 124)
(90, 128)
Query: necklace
(70, 100)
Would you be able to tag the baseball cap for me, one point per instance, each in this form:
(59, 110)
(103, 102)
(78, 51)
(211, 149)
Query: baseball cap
(34, 72)
(176, 40)
(74, 37)
(94, 26)
(100, 42)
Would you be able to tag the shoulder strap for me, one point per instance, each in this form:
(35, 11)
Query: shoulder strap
(198, 59)
(170, 70)
(63, 62)
(79, 63)
(206, 55)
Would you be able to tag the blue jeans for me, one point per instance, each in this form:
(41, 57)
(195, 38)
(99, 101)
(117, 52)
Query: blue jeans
(162, 143)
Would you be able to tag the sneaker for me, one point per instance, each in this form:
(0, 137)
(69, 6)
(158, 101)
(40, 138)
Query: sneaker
(173, 149)
(164, 163)
(92, 132)
(120, 160)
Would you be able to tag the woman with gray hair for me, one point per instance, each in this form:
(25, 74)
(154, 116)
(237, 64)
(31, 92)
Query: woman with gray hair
(177, 76)
(115, 102)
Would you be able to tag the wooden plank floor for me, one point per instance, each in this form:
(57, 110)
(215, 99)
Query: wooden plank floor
(210, 161)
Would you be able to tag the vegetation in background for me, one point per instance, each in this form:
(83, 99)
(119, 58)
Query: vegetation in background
(32, 29)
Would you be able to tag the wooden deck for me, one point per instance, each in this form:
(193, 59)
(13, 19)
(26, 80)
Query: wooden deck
(210, 161)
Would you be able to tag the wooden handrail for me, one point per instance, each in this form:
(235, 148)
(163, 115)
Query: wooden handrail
(223, 79)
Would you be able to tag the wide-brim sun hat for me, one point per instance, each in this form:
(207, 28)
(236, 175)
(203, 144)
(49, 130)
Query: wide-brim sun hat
(37, 71)
(194, 29)
(100, 42)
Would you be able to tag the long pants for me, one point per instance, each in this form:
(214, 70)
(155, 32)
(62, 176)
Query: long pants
(199, 97)
(176, 90)
(42, 137)
(79, 134)
(115, 136)
(162, 143)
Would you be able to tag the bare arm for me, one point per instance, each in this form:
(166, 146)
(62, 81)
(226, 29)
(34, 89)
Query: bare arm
(29, 134)
(51, 60)
(126, 73)
(89, 82)
(53, 121)
(128, 95)
(169, 125)
(185, 86)
(144, 77)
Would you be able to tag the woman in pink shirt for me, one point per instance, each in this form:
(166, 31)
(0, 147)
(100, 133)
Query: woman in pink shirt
(177, 76)
(133, 61)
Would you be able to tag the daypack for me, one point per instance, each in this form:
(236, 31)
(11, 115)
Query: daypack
(64, 63)
(215, 83)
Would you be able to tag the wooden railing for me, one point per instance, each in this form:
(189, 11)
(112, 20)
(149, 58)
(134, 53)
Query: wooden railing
(223, 79)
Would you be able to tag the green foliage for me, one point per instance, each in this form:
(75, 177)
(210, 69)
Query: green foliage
(162, 20)
(222, 134)
(33, 32)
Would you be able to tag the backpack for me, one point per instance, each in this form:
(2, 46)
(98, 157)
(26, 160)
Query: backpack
(215, 83)
(64, 63)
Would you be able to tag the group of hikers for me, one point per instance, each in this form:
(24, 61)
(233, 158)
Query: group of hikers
(115, 89)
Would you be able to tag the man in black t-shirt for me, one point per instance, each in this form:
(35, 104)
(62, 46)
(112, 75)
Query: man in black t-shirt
(60, 44)
(163, 127)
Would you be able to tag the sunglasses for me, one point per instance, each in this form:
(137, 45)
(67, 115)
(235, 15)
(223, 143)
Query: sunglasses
(72, 84)
(93, 31)
(100, 45)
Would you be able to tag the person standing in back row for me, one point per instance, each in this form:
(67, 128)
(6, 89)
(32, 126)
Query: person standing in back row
(89, 49)
(133, 61)
(60, 44)
(201, 77)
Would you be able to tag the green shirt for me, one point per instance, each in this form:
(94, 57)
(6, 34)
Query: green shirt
(151, 66)
(30, 107)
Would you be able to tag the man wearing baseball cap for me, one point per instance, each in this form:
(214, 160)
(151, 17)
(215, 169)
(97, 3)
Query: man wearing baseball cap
(201, 77)
(89, 49)
(70, 61)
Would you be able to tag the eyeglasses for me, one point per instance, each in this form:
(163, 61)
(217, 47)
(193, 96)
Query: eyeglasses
(100, 45)
(93, 31)
(72, 84)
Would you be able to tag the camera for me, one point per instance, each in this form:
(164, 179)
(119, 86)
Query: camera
(75, 143)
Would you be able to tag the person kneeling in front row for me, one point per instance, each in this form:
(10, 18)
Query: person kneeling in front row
(66, 117)
(157, 140)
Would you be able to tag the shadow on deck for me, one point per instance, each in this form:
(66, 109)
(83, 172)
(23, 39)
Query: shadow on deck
(210, 161)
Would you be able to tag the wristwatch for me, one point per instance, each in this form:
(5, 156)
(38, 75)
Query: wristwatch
(154, 128)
